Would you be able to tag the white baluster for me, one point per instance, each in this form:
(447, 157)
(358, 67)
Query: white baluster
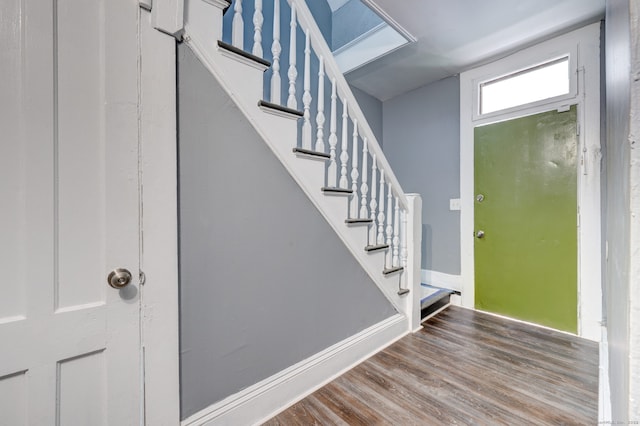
(237, 26)
(380, 238)
(403, 238)
(344, 145)
(320, 115)
(306, 96)
(364, 188)
(389, 228)
(258, 20)
(276, 49)
(293, 71)
(373, 204)
(333, 139)
(355, 200)
(396, 234)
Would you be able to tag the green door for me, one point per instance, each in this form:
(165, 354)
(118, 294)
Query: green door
(526, 219)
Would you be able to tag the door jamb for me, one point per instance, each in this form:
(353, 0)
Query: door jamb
(584, 43)
(159, 224)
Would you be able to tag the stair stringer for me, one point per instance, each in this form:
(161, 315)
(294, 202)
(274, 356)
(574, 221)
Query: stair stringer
(244, 84)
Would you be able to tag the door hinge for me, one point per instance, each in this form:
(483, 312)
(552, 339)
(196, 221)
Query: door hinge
(142, 277)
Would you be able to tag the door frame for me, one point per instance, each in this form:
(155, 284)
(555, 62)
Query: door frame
(583, 47)
(158, 164)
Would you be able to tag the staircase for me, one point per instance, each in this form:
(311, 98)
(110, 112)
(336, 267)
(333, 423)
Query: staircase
(290, 88)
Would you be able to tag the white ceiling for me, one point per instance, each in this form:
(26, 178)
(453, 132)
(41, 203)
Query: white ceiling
(455, 35)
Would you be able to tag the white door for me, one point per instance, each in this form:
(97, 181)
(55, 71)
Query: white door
(69, 343)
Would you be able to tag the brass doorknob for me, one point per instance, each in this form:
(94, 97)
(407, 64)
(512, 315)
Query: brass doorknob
(119, 278)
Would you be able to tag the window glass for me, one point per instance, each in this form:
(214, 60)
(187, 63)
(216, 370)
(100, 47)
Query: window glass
(534, 84)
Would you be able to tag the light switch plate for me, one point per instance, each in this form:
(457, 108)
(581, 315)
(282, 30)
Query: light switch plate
(454, 204)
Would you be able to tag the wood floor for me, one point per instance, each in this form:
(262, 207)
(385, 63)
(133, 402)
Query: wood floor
(467, 368)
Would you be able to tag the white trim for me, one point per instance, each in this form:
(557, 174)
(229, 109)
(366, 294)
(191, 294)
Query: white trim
(389, 20)
(168, 16)
(414, 254)
(585, 42)
(267, 398)
(531, 324)
(604, 391)
(159, 224)
(361, 37)
(522, 64)
(440, 279)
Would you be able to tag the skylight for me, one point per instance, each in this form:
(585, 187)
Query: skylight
(360, 35)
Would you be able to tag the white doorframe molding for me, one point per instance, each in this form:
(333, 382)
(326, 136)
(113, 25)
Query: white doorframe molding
(584, 45)
(159, 224)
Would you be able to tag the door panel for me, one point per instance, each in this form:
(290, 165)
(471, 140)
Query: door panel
(526, 263)
(69, 184)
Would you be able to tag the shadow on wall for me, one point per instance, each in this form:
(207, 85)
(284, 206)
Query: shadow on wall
(427, 247)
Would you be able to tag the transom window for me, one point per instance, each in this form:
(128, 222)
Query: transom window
(533, 84)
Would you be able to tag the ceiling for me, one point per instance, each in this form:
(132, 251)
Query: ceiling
(456, 35)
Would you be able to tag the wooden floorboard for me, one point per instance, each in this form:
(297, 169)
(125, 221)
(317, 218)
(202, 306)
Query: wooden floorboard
(464, 367)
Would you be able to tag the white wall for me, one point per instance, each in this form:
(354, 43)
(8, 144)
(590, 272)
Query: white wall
(634, 282)
(623, 207)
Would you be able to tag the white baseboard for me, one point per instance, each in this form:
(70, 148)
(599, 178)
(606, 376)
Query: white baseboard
(440, 279)
(267, 398)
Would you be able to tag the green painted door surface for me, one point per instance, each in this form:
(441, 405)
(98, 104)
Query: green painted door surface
(526, 261)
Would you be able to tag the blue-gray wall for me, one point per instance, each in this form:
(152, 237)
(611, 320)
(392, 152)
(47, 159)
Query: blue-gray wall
(422, 143)
(351, 21)
(372, 109)
(264, 280)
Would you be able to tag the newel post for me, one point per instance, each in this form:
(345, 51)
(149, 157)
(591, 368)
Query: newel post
(414, 259)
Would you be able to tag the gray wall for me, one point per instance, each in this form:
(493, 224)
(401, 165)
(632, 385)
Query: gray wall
(264, 280)
(351, 21)
(372, 109)
(621, 38)
(422, 143)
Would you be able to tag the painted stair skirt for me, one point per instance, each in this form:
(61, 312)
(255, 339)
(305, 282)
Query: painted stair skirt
(433, 298)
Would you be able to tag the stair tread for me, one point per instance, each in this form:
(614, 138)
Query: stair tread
(376, 247)
(280, 108)
(392, 270)
(433, 298)
(233, 49)
(358, 221)
(312, 153)
(337, 190)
